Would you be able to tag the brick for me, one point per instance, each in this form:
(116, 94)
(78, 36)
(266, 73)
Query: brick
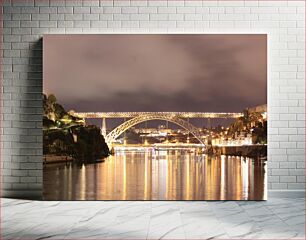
(287, 116)
(65, 24)
(81, 24)
(74, 3)
(20, 186)
(106, 3)
(288, 131)
(19, 173)
(273, 179)
(56, 17)
(10, 179)
(49, 10)
(11, 10)
(105, 17)
(29, 10)
(91, 3)
(140, 17)
(185, 24)
(26, 24)
(176, 17)
(296, 186)
(147, 9)
(229, 17)
(296, 152)
(73, 16)
(120, 17)
(20, 46)
(11, 24)
(40, 16)
(62, 10)
(47, 24)
(279, 186)
(242, 10)
(202, 10)
(300, 179)
(166, 10)
(60, 3)
(190, 17)
(129, 10)
(287, 145)
(158, 3)
(156, 17)
(287, 179)
(21, 16)
(139, 3)
(222, 24)
(186, 10)
(300, 164)
(230, 3)
(91, 16)
(273, 164)
(301, 116)
(23, 3)
(21, 31)
(81, 10)
(195, 3)
(28, 179)
(296, 172)
(148, 24)
(111, 10)
(36, 173)
(130, 24)
(287, 165)
(297, 124)
(41, 3)
(11, 53)
(268, 10)
(288, 10)
(96, 10)
(167, 24)
(98, 24)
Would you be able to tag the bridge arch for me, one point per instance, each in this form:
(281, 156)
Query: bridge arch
(115, 133)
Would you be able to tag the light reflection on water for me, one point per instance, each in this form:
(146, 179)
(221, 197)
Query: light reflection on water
(158, 175)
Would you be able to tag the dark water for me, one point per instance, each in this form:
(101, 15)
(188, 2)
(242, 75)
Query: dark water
(158, 175)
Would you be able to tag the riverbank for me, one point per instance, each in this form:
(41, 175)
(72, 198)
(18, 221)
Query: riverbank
(255, 150)
(56, 158)
(50, 159)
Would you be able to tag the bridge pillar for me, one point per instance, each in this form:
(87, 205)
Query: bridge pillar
(103, 128)
(208, 123)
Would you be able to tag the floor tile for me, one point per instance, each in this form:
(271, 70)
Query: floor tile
(272, 219)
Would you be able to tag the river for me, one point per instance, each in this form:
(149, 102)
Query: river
(158, 175)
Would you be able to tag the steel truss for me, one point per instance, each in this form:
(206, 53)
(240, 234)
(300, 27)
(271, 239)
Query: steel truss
(114, 134)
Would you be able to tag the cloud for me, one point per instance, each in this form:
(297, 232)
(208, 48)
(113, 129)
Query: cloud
(108, 64)
(156, 72)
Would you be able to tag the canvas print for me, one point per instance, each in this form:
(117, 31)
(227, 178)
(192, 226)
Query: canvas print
(155, 117)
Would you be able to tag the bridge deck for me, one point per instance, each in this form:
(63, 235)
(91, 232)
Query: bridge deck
(136, 114)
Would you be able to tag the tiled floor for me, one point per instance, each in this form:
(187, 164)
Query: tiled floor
(272, 219)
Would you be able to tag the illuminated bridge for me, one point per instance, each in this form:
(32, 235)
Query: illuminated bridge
(134, 118)
(136, 114)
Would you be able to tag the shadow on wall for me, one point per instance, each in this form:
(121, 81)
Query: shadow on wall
(31, 110)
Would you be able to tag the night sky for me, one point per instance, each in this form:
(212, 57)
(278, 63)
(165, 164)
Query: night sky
(165, 72)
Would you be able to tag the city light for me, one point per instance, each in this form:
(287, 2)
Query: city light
(223, 136)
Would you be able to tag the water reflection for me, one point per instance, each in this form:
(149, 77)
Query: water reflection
(158, 175)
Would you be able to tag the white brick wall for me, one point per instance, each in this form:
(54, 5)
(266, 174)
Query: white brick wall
(25, 21)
